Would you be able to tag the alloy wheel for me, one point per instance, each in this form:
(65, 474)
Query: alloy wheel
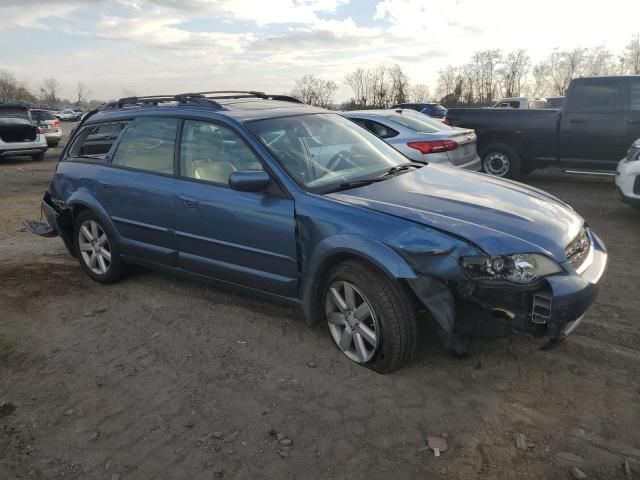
(94, 247)
(352, 321)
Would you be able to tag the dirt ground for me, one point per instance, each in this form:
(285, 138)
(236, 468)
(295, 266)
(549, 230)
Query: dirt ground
(161, 378)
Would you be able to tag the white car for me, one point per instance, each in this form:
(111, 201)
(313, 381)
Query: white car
(628, 176)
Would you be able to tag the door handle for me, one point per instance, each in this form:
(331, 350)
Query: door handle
(189, 201)
(105, 185)
(633, 122)
(577, 120)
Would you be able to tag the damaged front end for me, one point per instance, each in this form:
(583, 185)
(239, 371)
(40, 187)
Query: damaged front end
(59, 219)
(492, 296)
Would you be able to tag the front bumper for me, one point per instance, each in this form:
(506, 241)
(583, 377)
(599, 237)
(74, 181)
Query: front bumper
(628, 182)
(59, 217)
(552, 308)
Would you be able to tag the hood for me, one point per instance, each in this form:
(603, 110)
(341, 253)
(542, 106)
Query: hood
(500, 216)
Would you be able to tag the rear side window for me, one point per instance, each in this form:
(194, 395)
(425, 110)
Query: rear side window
(596, 96)
(41, 115)
(378, 129)
(97, 141)
(148, 143)
(634, 94)
(418, 122)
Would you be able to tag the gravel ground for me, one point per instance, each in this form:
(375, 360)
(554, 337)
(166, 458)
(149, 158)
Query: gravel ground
(158, 377)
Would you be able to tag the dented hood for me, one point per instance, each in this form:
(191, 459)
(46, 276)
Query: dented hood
(499, 216)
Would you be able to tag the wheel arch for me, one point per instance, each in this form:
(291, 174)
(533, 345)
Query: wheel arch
(335, 250)
(509, 139)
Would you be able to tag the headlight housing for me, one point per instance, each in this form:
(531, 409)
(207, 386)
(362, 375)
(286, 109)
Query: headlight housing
(521, 268)
(633, 155)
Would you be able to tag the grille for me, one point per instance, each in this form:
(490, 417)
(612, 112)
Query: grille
(636, 185)
(541, 309)
(578, 249)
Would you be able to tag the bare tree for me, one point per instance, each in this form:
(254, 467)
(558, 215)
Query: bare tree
(632, 56)
(447, 81)
(399, 85)
(82, 93)
(564, 67)
(599, 61)
(359, 81)
(49, 91)
(540, 75)
(420, 93)
(314, 91)
(513, 72)
(12, 90)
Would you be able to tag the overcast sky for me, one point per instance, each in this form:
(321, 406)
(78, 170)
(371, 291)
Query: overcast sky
(168, 46)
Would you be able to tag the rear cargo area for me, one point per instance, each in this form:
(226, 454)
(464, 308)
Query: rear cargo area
(16, 124)
(13, 130)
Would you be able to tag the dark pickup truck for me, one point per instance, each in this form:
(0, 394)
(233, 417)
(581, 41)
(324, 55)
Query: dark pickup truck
(598, 123)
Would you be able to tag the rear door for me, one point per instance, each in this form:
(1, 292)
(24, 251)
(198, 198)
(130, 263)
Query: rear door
(592, 124)
(136, 188)
(246, 238)
(632, 116)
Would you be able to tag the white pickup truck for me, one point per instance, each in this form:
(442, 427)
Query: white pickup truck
(18, 135)
(522, 102)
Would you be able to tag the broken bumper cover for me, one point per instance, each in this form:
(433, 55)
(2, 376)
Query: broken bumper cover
(574, 294)
(552, 308)
(60, 219)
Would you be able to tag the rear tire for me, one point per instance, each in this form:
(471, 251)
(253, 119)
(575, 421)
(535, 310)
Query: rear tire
(95, 249)
(38, 157)
(501, 160)
(383, 335)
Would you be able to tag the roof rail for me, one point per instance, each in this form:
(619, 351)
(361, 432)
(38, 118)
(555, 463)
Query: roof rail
(195, 98)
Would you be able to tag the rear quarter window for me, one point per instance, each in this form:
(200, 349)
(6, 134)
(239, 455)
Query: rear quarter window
(97, 141)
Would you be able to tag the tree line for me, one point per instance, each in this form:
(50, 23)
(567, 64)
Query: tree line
(488, 76)
(48, 92)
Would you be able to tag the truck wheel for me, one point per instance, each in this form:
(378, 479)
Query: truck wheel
(38, 157)
(97, 253)
(371, 317)
(501, 160)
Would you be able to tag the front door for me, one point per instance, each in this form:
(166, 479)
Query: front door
(632, 116)
(592, 124)
(246, 238)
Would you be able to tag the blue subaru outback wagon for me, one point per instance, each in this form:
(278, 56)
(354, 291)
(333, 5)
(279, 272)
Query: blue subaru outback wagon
(301, 204)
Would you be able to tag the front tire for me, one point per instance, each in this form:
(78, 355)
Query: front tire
(501, 160)
(371, 317)
(95, 249)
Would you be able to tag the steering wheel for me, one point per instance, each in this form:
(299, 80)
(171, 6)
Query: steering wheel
(341, 156)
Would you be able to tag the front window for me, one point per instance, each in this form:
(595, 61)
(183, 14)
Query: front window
(323, 150)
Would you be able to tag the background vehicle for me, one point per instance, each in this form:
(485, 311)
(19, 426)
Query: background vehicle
(434, 110)
(555, 102)
(421, 138)
(628, 176)
(69, 115)
(599, 120)
(51, 125)
(301, 204)
(18, 134)
(521, 102)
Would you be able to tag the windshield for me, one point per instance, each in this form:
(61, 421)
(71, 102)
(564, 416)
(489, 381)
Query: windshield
(419, 122)
(323, 150)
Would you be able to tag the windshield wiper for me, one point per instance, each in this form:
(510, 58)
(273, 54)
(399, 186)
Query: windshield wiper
(356, 183)
(403, 167)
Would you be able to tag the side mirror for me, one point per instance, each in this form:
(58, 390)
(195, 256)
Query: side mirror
(249, 180)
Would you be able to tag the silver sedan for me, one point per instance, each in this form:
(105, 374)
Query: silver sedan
(421, 138)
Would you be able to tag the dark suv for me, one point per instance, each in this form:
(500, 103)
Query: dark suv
(434, 110)
(303, 205)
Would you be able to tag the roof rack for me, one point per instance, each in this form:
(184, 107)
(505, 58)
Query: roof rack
(195, 98)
